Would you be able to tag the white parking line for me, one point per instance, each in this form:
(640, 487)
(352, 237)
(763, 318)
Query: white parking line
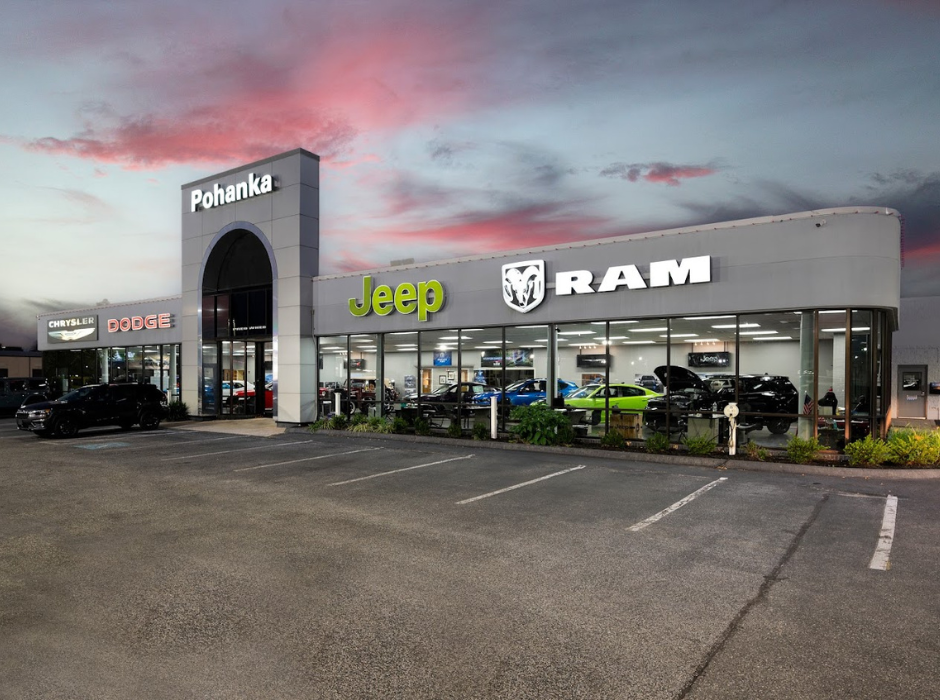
(307, 459)
(225, 452)
(396, 471)
(519, 486)
(675, 506)
(880, 559)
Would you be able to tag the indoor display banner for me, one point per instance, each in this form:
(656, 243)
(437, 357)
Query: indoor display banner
(592, 360)
(518, 357)
(69, 330)
(709, 359)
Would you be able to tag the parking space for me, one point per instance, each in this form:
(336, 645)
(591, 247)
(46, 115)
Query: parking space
(484, 572)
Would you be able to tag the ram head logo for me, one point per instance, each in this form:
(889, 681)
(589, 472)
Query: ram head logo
(524, 285)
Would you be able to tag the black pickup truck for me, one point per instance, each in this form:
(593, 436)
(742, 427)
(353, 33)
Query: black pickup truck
(124, 405)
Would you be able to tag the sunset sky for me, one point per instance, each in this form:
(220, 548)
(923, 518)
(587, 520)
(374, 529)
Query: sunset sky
(452, 128)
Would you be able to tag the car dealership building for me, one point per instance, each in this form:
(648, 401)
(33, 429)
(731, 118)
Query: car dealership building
(811, 296)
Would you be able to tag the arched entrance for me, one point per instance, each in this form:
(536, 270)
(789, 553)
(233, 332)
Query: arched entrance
(238, 363)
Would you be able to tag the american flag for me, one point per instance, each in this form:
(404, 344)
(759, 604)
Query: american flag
(808, 405)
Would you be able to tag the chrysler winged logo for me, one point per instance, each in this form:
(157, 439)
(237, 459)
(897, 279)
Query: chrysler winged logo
(524, 284)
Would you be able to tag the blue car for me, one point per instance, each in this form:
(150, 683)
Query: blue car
(525, 392)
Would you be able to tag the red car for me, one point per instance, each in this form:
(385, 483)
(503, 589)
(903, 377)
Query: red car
(240, 394)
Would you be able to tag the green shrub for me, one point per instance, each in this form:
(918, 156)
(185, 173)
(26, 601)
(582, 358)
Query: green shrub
(377, 424)
(319, 425)
(867, 452)
(177, 410)
(358, 419)
(657, 442)
(613, 438)
(398, 426)
(454, 430)
(361, 427)
(481, 431)
(755, 451)
(801, 451)
(422, 427)
(907, 446)
(540, 425)
(699, 445)
(337, 422)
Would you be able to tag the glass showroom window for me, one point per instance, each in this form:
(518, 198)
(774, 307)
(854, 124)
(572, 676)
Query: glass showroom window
(332, 352)
(637, 348)
(440, 387)
(364, 386)
(701, 374)
(776, 358)
(170, 359)
(400, 370)
(581, 358)
(482, 362)
(526, 363)
(211, 379)
(101, 365)
(118, 359)
(861, 373)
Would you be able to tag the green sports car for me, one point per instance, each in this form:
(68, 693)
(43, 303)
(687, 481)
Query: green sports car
(628, 398)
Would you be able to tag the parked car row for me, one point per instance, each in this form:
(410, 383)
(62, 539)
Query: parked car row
(758, 398)
(124, 405)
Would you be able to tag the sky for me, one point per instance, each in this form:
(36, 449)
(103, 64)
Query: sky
(449, 128)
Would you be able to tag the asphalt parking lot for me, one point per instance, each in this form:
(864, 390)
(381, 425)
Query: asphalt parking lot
(180, 563)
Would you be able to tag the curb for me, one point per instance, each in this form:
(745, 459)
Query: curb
(718, 463)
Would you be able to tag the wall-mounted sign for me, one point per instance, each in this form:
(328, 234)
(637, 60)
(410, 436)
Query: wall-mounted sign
(516, 357)
(523, 283)
(69, 330)
(709, 359)
(229, 194)
(443, 358)
(592, 361)
(406, 298)
(139, 323)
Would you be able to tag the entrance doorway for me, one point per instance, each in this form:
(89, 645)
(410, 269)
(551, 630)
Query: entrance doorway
(242, 379)
(912, 391)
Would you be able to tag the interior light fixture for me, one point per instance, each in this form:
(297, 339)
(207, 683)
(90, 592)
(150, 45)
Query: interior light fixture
(740, 325)
(774, 337)
(705, 318)
(703, 340)
(575, 332)
(842, 330)
(681, 335)
(649, 330)
(758, 332)
(638, 342)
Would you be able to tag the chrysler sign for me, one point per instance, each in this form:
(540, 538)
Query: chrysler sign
(524, 283)
(70, 330)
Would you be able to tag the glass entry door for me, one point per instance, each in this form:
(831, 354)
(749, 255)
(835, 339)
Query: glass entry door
(240, 382)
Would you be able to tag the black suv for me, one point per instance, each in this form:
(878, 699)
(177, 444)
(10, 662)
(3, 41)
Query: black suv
(16, 391)
(758, 397)
(94, 405)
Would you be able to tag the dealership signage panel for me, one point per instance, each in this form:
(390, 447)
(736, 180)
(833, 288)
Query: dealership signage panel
(70, 330)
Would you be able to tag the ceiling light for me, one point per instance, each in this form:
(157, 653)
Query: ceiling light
(740, 325)
(842, 330)
(703, 340)
(705, 318)
(575, 332)
(649, 330)
(681, 335)
(757, 332)
(639, 342)
(774, 337)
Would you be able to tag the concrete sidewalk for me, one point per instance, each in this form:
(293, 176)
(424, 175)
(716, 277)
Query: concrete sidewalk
(254, 427)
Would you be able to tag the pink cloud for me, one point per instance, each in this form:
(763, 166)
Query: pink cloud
(665, 173)
(319, 90)
(535, 226)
